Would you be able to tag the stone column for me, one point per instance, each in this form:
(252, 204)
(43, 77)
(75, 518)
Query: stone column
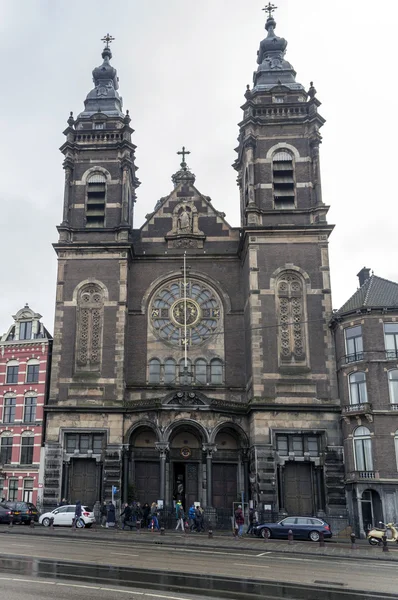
(316, 171)
(124, 215)
(126, 457)
(209, 449)
(245, 459)
(68, 175)
(163, 448)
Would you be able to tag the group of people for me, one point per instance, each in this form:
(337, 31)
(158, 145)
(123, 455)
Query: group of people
(195, 518)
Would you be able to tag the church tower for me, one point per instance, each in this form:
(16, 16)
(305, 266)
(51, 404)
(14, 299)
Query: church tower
(290, 367)
(94, 251)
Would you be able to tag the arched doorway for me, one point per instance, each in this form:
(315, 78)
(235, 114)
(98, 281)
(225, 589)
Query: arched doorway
(186, 460)
(226, 476)
(145, 466)
(372, 510)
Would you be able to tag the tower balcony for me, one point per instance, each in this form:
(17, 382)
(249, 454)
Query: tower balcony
(357, 409)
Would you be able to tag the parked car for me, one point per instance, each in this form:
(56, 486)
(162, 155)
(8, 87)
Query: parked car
(5, 515)
(64, 515)
(303, 528)
(23, 511)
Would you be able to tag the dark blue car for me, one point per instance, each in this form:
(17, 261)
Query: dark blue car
(303, 528)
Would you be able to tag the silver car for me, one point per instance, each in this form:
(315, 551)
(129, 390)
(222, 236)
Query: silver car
(64, 515)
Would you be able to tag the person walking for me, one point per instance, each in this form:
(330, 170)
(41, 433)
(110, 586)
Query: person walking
(192, 517)
(111, 515)
(138, 516)
(240, 520)
(146, 511)
(104, 513)
(199, 518)
(126, 516)
(180, 516)
(253, 519)
(78, 513)
(154, 516)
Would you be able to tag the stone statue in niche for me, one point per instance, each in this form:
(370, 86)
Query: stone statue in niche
(184, 222)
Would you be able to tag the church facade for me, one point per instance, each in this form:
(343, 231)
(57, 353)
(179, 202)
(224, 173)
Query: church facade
(193, 360)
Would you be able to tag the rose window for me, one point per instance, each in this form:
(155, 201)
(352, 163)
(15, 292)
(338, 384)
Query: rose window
(185, 316)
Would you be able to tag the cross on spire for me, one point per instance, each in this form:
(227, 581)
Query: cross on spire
(183, 152)
(270, 9)
(107, 39)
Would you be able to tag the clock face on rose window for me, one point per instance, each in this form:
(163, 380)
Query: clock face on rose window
(194, 310)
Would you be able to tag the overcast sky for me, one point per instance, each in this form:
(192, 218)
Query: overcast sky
(183, 67)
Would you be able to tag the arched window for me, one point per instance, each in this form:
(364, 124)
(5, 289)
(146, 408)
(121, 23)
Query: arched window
(200, 371)
(185, 374)
(393, 385)
(12, 371)
(283, 180)
(169, 370)
(90, 320)
(154, 371)
(216, 371)
(10, 405)
(363, 449)
(357, 388)
(32, 370)
(291, 317)
(96, 200)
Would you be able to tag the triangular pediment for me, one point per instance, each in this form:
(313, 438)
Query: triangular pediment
(186, 398)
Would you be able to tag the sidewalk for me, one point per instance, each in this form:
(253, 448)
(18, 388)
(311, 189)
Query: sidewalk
(219, 541)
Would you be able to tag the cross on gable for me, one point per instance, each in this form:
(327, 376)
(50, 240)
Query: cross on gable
(183, 152)
(107, 39)
(270, 9)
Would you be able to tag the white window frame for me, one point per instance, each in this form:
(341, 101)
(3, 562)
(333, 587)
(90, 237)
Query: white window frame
(366, 449)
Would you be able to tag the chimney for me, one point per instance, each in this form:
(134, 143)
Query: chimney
(363, 275)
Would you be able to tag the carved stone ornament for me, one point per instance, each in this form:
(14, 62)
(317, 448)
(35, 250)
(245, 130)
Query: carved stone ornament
(185, 232)
(186, 398)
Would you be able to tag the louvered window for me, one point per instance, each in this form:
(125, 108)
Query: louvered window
(283, 180)
(96, 195)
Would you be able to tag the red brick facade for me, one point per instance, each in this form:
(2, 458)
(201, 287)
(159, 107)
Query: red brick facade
(24, 366)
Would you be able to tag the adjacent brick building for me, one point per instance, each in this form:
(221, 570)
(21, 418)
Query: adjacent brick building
(366, 336)
(192, 359)
(25, 354)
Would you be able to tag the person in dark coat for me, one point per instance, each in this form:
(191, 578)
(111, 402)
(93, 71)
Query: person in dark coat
(111, 517)
(199, 518)
(104, 513)
(127, 517)
(138, 515)
(146, 509)
(239, 520)
(78, 512)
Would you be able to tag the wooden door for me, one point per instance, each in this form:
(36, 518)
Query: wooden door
(191, 478)
(83, 481)
(225, 485)
(298, 489)
(147, 481)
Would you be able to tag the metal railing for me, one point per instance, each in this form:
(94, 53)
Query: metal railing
(362, 407)
(349, 358)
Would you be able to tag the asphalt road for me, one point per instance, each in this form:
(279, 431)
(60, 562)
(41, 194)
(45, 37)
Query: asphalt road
(329, 572)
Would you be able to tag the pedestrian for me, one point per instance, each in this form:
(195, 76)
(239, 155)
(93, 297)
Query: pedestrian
(180, 515)
(199, 518)
(192, 517)
(138, 516)
(253, 519)
(127, 516)
(146, 511)
(104, 513)
(154, 516)
(240, 520)
(111, 515)
(78, 513)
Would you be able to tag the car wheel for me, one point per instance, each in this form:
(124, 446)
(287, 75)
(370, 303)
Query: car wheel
(373, 541)
(46, 522)
(314, 536)
(266, 533)
(80, 523)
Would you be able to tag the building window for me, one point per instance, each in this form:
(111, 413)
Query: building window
(13, 490)
(12, 373)
(154, 371)
(25, 330)
(391, 339)
(90, 320)
(353, 343)
(32, 373)
(29, 414)
(169, 371)
(357, 388)
(363, 449)
(393, 385)
(291, 316)
(96, 198)
(283, 180)
(299, 445)
(6, 450)
(201, 371)
(9, 410)
(84, 443)
(216, 371)
(27, 490)
(99, 125)
(27, 444)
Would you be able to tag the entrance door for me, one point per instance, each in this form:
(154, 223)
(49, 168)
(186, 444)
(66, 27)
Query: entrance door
(147, 481)
(298, 494)
(83, 481)
(185, 483)
(225, 485)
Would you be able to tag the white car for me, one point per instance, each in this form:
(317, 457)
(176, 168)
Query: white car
(64, 515)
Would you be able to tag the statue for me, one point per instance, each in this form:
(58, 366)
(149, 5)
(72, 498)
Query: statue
(184, 224)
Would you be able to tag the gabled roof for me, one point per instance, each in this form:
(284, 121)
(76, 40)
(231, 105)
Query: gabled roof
(376, 292)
